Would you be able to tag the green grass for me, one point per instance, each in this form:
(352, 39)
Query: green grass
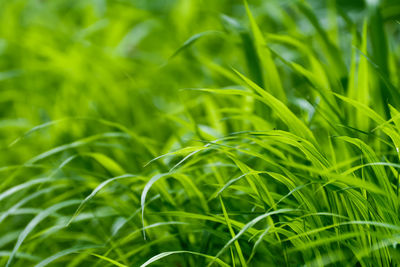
(199, 133)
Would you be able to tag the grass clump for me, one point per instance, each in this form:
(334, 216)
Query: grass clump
(199, 133)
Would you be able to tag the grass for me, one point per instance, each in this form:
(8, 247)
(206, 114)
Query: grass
(199, 133)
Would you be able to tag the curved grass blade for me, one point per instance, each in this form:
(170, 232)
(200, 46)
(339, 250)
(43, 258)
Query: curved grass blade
(95, 191)
(166, 254)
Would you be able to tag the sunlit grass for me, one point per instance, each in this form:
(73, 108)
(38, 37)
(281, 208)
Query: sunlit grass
(199, 133)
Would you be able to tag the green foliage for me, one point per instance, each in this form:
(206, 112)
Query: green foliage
(199, 133)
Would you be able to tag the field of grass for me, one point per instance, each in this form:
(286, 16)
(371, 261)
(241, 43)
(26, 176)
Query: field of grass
(199, 133)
